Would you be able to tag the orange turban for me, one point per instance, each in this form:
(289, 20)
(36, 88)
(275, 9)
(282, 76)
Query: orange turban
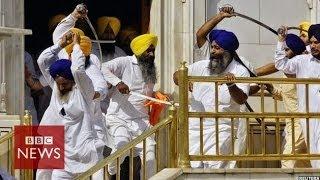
(85, 45)
(77, 31)
(141, 43)
(103, 22)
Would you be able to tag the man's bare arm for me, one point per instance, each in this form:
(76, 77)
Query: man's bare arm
(202, 33)
(266, 70)
(236, 93)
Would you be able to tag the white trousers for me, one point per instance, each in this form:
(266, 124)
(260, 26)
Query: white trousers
(57, 174)
(209, 144)
(123, 132)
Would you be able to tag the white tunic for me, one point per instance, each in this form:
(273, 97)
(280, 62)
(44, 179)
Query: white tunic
(203, 94)
(304, 66)
(308, 48)
(127, 70)
(204, 53)
(118, 52)
(80, 137)
(127, 117)
(93, 71)
(203, 100)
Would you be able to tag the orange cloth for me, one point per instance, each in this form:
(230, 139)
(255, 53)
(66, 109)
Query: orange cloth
(156, 108)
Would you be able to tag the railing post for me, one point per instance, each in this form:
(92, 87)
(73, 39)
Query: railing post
(184, 159)
(173, 137)
(27, 119)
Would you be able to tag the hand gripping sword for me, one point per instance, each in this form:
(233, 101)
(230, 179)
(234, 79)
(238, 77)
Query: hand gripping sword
(81, 8)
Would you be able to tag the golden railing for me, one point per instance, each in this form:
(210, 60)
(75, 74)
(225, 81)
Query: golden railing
(169, 123)
(9, 139)
(177, 126)
(184, 115)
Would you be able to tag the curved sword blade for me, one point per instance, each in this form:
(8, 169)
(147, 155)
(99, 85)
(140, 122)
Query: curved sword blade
(96, 36)
(257, 22)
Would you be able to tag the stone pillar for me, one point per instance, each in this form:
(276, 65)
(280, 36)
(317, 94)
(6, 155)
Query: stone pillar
(13, 56)
(172, 21)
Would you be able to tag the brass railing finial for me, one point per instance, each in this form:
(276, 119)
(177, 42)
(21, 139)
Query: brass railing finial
(27, 119)
(183, 65)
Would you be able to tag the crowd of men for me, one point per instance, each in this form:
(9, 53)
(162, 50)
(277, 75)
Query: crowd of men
(93, 100)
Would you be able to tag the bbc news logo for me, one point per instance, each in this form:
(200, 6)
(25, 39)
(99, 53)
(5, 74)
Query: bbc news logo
(39, 140)
(39, 147)
(32, 153)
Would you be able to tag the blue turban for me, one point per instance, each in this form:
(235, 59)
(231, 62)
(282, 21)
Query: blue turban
(313, 29)
(317, 35)
(225, 39)
(295, 43)
(61, 68)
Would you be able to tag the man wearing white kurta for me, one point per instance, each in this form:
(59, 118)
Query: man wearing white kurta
(127, 115)
(305, 66)
(288, 94)
(222, 62)
(92, 70)
(71, 105)
(108, 29)
(202, 51)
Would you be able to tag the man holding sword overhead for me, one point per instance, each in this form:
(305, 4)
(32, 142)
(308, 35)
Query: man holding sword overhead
(221, 62)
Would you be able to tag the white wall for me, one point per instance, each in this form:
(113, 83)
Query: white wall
(257, 43)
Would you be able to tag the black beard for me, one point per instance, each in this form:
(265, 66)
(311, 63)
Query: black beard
(217, 66)
(148, 69)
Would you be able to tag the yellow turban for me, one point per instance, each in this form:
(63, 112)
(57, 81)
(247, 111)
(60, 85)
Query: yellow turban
(103, 22)
(141, 43)
(54, 21)
(305, 26)
(85, 45)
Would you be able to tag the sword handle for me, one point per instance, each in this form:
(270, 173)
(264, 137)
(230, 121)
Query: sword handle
(225, 6)
(82, 8)
(282, 31)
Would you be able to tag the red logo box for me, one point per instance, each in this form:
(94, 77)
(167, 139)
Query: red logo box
(39, 147)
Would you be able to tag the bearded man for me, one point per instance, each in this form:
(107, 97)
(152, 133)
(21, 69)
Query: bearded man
(127, 116)
(223, 61)
(71, 106)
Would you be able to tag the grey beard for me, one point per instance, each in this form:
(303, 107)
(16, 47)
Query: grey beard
(148, 70)
(217, 66)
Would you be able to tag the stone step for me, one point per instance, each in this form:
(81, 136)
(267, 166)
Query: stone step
(239, 173)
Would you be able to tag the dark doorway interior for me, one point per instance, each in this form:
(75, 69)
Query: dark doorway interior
(131, 13)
